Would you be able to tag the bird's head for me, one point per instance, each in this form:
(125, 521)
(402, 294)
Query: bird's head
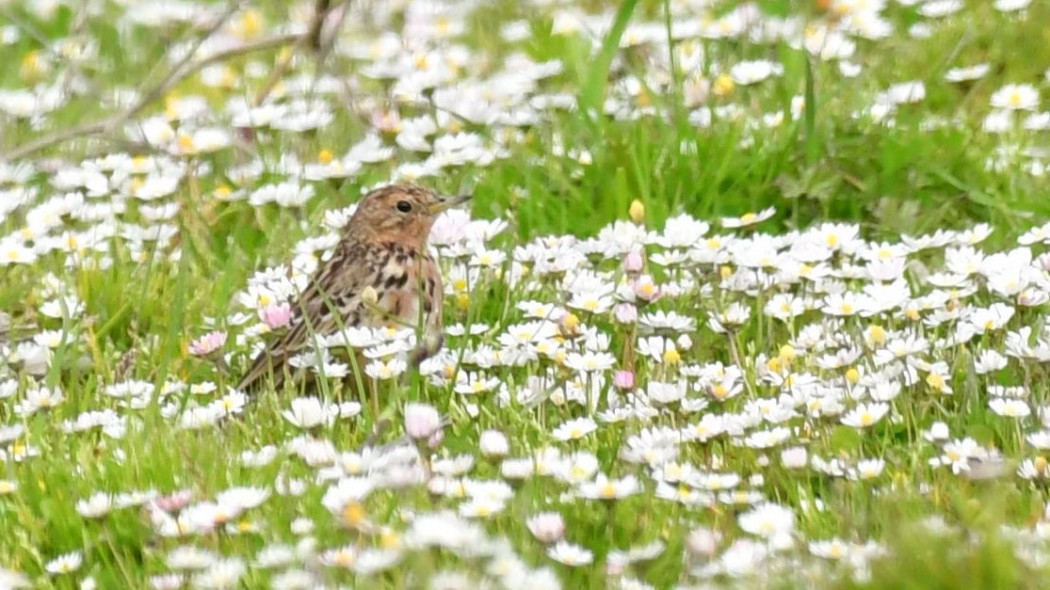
(401, 213)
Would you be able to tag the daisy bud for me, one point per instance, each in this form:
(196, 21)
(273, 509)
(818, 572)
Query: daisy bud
(547, 527)
(623, 379)
(302, 526)
(634, 261)
(369, 295)
(493, 443)
(276, 315)
(306, 547)
(637, 211)
(695, 91)
(937, 432)
(625, 313)
(421, 421)
(703, 542)
(615, 564)
(794, 457)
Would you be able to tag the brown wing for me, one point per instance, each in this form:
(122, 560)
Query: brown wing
(331, 301)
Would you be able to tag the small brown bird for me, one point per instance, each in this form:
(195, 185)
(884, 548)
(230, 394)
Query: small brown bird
(383, 247)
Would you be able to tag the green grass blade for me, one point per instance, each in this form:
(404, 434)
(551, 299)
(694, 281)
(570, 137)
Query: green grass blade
(592, 94)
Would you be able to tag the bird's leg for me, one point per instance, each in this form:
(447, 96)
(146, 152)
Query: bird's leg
(430, 345)
(220, 364)
(372, 385)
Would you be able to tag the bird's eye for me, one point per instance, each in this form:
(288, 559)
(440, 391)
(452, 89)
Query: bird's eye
(404, 206)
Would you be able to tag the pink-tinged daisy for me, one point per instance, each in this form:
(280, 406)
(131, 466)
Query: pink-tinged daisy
(208, 344)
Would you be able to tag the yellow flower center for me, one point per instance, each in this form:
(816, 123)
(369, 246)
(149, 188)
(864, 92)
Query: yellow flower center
(877, 334)
(935, 381)
(186, 143)
(852, 375)
(723, 85)
(354, 514)
(345, 558)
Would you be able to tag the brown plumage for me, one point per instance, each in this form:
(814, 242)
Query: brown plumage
(382, 247)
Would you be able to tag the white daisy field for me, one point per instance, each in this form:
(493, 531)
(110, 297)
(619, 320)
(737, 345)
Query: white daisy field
(750, 294)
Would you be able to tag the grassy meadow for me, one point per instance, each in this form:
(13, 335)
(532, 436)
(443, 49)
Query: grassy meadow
(750, 294)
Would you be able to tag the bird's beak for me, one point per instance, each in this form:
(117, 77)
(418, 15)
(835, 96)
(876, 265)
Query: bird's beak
(444, 203)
